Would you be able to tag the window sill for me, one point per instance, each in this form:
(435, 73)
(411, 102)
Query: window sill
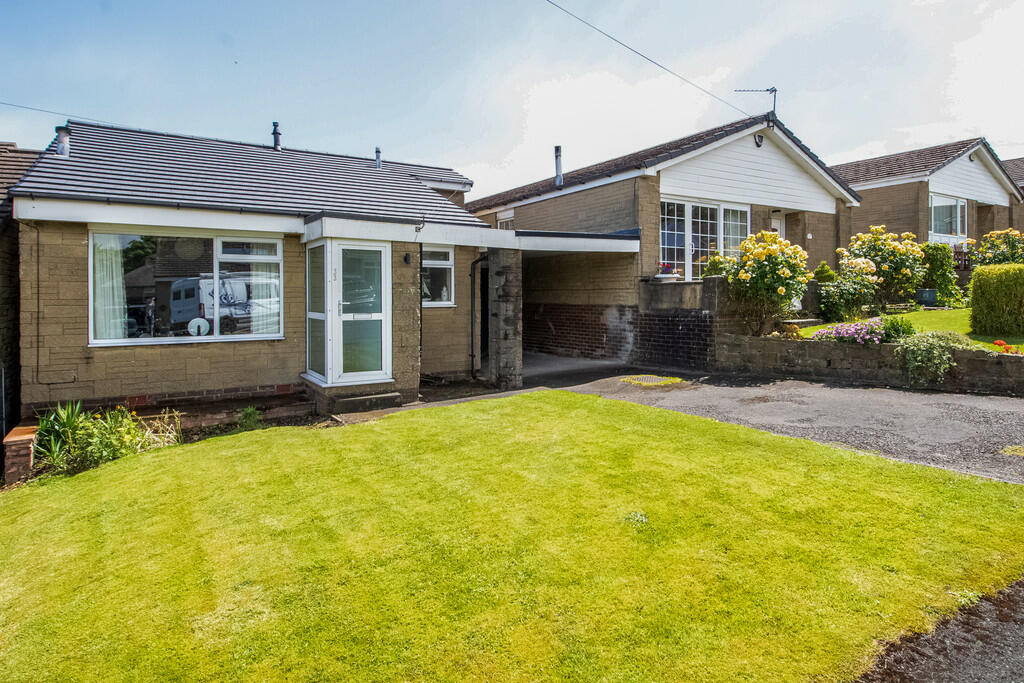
(161, 341)
(438, 304)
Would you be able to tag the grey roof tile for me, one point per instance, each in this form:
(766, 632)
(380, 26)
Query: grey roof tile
(914, 162)
(14, 163)
(1015, 167)
(124, 165)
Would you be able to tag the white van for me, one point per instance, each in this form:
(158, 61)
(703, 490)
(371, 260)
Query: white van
(192, 298)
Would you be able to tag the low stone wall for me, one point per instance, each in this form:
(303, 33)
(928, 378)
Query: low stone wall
(875, 365)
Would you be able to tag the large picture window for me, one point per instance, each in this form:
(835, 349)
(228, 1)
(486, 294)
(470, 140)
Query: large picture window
(691, 232)
(948, 218)
(437, 276)
(156, 288)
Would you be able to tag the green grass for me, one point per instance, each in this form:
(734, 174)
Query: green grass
(548, 535)
(957, 320)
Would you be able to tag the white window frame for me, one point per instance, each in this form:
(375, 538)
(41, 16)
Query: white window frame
(218, 238)
(687, 203)
(506, 224)
(450, 265)
(317, 315)
(961, 210)
(336, 377)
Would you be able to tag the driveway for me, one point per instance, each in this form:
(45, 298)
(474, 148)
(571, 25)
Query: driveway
(965, 433)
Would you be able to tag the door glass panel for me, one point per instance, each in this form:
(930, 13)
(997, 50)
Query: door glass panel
(316, 334)
(362, 345)
(361, 282)
(704, 227)
(316, 280)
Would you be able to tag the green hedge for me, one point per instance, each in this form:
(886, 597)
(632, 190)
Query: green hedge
(997, 300)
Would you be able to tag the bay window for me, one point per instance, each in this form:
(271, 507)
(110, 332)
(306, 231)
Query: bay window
(151, 288)
(437, 276)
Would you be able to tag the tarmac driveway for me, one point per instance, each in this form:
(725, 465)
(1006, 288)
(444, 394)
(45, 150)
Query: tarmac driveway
(966, 433)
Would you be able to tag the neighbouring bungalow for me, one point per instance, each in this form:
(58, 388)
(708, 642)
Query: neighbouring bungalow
(1015, 167)
(946, 193)
(159, 269)
(686, 200)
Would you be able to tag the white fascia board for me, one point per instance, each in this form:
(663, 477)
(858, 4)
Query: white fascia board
(78, 211)
(887, 182)
(447, 185)
(568, 190)
(457, 235)
(582, 244)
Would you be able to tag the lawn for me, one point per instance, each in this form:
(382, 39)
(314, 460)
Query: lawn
(548, 535)
(957, 320)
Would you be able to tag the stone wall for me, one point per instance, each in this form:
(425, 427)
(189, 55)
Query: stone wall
(446, 343)
(875, 365)
(505, 312)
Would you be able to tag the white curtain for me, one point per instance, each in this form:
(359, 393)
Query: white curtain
(110, 307)
(266, 298)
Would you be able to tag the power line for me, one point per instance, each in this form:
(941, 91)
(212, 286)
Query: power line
(642, 55)
(58, 113)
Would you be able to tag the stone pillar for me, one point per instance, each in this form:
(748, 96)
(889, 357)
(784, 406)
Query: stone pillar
(505, 327)
(18, 447)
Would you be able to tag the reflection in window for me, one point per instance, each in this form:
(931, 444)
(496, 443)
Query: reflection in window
(146, 286)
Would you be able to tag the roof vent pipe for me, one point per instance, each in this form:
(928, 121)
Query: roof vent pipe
(277, 137)
(558, 165)
(63, 141)
(378, 157)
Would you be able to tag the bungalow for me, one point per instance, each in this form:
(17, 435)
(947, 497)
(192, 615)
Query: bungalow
(685, 200)
(945, 193)
(160, 268)
(1015, 167)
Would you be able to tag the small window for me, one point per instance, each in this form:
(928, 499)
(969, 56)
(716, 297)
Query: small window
(248, 248)
(507, 224)
(437, 276)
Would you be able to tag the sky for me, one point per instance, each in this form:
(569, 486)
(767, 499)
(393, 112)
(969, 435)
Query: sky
(489, 88)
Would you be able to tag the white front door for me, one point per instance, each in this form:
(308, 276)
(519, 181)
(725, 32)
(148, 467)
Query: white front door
(349, 316)
(779, 226)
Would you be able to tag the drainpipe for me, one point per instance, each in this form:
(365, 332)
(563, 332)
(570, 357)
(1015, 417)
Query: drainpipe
(472, 315)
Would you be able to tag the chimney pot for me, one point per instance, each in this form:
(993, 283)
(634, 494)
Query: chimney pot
(377, 151)
(277, 136)
(558, 165)
(63, 141)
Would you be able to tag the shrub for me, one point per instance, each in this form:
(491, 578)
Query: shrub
(927, 357)
(898, 259)
(864, 332)
(249, 419)
(895, 328)
(824, 274)
(940, 275)
(716, 266)
(997, 247)
(769, 273)
(855, 288)
(71, 441)
(997, 300)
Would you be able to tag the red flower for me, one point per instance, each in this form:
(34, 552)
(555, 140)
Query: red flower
(999, 342)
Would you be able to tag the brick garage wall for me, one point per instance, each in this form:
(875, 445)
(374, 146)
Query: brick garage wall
(579, 304)
(446, 343)
(901, 208)
(975, 371)
(682, 338)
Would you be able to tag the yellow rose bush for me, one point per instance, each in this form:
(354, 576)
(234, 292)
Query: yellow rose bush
(998, 246)
(898, 259)
(766, 276)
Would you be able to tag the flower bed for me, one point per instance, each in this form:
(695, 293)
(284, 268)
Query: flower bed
(863, 332)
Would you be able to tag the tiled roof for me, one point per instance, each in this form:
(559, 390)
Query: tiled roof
(915, 162)
(1015, 167)
(13, 164)
(124, 165)
(643, 159)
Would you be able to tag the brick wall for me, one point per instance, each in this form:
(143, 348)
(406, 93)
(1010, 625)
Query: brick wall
(975, 371)
(901, 208)
(586, 331)
(607, 208)
(681, 338)
(446, 344)
(9, 302)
